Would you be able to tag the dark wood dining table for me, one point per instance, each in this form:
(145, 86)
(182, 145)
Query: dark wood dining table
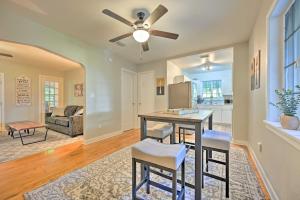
(197, 119)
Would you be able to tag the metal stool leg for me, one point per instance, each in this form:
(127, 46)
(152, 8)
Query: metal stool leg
(174, 185)
(206, 159)
(227, 174)
(202, 169)
(133, 179)
(183, 179)
(179, 135)
(148, 180)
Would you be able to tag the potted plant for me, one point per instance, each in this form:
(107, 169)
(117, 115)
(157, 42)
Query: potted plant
(288, 103)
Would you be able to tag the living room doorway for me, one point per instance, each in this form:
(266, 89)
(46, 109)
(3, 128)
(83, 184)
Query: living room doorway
(38, 83)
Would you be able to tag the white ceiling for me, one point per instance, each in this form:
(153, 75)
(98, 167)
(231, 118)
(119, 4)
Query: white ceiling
(220, 60)
(201, 24)
(33, 56)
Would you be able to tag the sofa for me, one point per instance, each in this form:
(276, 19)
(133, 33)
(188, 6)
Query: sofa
(69, 122)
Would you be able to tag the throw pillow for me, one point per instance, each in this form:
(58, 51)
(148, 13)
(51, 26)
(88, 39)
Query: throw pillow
(58, 112)
(79, 112)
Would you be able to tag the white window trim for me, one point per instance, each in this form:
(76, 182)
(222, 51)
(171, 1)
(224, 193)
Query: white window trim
(290, 136)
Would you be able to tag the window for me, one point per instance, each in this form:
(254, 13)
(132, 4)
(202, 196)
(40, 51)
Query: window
(212, 89)
(51, 94)
(292, 46)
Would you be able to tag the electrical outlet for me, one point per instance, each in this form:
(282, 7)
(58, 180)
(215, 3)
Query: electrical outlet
(99, 125)
(259, 144)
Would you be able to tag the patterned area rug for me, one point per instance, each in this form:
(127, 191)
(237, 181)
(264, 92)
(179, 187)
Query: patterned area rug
(110, 178)
(12, 149)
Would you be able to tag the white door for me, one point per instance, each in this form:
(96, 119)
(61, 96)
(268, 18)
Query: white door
(51, 94)
(2, 127)
(129, 99)
(146, 92)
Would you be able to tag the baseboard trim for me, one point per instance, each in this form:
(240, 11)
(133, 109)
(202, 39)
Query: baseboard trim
(240, 142)
(262, 172)
(102, 137)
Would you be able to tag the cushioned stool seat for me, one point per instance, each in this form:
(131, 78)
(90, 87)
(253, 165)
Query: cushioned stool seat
(167, 155)
(159, 131)
(216, 139)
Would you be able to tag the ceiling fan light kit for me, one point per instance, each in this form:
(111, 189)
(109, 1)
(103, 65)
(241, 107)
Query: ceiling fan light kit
(142, 27)
(141, 35)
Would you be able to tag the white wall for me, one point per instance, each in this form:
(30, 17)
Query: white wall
(241, 85)
(11, 70)
(225, 76)
(172, 71)
(103, 69)
(72, 77)
(279, 159)
(160, 71)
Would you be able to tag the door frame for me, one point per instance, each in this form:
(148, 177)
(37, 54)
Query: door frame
(139, 94)
(41, 92)
(2, 122)
(135, 89)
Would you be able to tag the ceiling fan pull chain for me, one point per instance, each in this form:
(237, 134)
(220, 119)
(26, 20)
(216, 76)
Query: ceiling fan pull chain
(141, 53)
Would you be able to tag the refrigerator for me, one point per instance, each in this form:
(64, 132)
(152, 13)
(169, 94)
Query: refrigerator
(182, 95)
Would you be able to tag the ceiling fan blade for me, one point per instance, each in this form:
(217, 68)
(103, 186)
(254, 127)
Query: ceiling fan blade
(6, 55)
(155, 15)
(164, 34)
(121, 37)
(117, 17)
(145, 46)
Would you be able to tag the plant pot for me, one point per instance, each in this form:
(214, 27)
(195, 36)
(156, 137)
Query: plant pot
(289, 122)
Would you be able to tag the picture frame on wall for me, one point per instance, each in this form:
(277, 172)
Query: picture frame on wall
(78, 90)
(23, 91)
(255, 71)
(253, 74)
(160, 86)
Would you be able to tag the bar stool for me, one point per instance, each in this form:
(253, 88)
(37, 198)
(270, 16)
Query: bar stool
(219, 142)
(182, 131)
(168, 157)
(160, 131)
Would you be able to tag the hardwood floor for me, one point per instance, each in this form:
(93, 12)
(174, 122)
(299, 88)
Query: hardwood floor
(26, 174)
(20, 176)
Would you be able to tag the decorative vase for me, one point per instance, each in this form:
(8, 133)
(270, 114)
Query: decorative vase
(289, 122)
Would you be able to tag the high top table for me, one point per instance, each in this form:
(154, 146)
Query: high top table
(195, 119)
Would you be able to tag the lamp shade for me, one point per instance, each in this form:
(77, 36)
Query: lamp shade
(141, 35)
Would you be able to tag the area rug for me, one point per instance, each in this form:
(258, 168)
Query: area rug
(110, 179)
(12, 149)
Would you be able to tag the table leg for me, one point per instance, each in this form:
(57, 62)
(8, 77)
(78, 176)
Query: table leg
(210, 122)
(198, 161)
(143, 128)
(21, 137)
(210, 127)
(173, 136)
(143, 136)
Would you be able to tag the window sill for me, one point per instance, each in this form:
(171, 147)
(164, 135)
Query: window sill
(290, 136)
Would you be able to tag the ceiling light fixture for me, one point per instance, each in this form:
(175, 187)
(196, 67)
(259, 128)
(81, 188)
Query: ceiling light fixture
(141, 35)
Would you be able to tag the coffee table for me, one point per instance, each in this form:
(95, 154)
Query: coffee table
(25, 126)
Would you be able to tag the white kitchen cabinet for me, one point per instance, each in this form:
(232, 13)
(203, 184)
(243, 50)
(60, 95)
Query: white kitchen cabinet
(222, 113)
(227, 116)
(217, 117)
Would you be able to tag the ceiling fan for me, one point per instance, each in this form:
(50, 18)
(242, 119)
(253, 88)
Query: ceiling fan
(207, 65)
(142, 27)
